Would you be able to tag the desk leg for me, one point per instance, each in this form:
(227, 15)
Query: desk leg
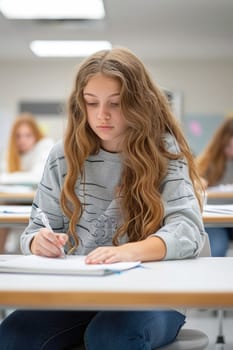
(220, 342)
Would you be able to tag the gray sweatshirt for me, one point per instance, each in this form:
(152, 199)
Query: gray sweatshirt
(182, 227)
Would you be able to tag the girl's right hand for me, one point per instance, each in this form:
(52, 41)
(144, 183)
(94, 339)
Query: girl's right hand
(48, 243)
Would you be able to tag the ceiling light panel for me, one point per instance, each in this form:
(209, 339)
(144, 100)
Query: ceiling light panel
(52, 48)
(52, 9)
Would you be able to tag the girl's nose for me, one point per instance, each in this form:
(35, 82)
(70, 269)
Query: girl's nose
(103, 113)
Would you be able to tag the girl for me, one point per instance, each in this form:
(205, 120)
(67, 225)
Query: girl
(215, 165)
(124, 187)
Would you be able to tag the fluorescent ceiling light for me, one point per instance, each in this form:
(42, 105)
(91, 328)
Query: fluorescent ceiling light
(59, 48)
(53, 9)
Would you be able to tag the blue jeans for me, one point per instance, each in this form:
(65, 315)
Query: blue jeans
(219, 240)
(104, 330)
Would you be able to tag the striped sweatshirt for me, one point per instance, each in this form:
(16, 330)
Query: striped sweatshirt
(182, 227)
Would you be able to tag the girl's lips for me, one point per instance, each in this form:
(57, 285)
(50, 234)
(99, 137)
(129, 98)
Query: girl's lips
(104, 127)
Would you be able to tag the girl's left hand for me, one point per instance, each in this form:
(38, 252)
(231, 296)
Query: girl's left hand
(108, 255)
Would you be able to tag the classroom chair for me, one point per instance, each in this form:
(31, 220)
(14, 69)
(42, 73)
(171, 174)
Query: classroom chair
(187, 339)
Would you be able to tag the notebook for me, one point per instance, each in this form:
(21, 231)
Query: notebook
(72, 265)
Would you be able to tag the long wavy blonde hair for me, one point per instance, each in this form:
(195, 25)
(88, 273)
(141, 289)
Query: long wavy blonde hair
(211, 162)
(144, 155)
(13, 155)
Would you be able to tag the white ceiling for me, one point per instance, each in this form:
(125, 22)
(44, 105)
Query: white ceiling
(153, 29)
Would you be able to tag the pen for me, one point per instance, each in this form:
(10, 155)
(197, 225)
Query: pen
(45, 221)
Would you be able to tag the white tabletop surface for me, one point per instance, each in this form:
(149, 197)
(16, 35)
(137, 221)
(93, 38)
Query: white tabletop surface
(192, 282)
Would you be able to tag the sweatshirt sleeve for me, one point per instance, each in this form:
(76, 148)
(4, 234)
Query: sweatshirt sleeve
(47, 198)
(182, 228)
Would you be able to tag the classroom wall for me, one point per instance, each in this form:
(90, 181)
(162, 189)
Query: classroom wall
(206, 86)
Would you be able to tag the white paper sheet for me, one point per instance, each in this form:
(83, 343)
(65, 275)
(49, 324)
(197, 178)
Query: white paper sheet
(72, 265)
(15, 209)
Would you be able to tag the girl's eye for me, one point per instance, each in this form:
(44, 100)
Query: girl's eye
(92, 104)
(115, 104)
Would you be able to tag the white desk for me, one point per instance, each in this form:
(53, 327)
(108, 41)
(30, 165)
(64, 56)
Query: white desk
(26, 197)
(201, 282)
(217, 195)
(16, 194)
(213, 218)
(11, 216)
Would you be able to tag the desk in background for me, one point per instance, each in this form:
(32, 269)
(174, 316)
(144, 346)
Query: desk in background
(11, 216)
(16, 194)
(11, 219)
(13, 195)
(17, 197)
(215, 215)
(222, 194)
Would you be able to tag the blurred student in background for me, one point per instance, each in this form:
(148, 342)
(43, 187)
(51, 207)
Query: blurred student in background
(25, 158)
(27, 152)
(215, 165)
